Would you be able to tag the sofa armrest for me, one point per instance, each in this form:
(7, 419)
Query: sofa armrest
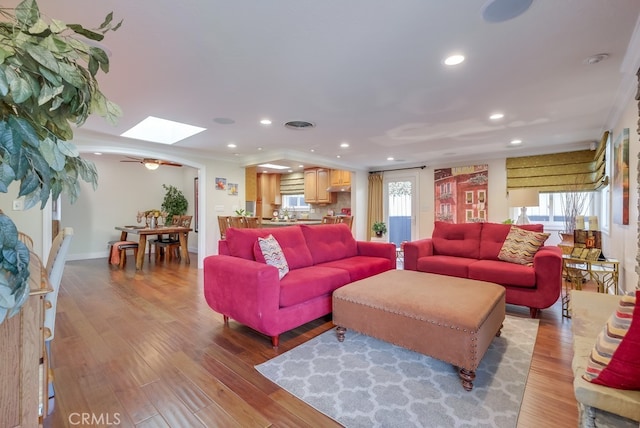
(414, 250)
(547, 263)
(377, 249)
(244, 290)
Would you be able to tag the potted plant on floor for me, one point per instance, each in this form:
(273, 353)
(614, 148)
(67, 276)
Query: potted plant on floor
(47, 83)
(379, 228)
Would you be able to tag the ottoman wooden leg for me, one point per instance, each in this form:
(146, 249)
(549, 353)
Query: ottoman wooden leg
(467, 377)
(340, 332)
(499, 330)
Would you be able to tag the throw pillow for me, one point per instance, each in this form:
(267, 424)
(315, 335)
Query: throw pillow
(615, 358)
(520, 246)
(273, 254)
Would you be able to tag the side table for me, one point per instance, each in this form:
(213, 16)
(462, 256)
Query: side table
(575, 271)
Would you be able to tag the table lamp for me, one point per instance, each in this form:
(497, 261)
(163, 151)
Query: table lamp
(523, 198)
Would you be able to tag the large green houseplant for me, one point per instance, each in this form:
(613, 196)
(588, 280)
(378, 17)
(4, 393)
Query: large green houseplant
(174, 203)
(47, 83)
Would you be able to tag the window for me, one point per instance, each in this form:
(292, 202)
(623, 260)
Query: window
(295, 203)
(550, 210)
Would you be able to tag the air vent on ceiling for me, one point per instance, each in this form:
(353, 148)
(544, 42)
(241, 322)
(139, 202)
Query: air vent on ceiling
(299, 124)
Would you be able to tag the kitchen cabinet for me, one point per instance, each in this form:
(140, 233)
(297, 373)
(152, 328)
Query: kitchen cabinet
(316, 182)
(340, 178)
(269, 198)
(24, 369)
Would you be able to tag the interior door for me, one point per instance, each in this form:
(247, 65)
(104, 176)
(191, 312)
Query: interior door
(400, 207)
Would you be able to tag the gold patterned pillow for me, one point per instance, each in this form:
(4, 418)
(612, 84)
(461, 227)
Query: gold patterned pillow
(520, 246)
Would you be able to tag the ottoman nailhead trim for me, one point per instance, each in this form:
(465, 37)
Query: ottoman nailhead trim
(407, 315)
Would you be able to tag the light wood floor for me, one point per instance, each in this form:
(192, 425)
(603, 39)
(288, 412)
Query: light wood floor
(144, 350)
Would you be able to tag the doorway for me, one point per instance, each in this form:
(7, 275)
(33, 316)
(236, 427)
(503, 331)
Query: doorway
(400, 207)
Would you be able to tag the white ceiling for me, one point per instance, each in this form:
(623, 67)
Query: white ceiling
(366, 72)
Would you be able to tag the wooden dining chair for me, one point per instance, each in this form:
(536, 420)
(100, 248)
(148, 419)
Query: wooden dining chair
(171, 247)
(175, 221)
(252, 222)
(224, 222)
(329, 219)
(348, 220)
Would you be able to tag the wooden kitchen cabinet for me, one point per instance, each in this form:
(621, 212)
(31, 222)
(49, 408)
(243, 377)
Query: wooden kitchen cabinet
(316, 182)
(24, 369)
(340, 177)
(269, 198)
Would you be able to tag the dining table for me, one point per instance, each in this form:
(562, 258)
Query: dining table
(143, 232)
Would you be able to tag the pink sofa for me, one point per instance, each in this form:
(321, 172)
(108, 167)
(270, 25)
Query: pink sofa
(470, 250)
(321, 259)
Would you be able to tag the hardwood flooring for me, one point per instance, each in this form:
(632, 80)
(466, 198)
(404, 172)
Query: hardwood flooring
(143, 349)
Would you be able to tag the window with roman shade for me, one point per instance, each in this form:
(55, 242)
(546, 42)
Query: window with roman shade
(582, 170)
(292, 184)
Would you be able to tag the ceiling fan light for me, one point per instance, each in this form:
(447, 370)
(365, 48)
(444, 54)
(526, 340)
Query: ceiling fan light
(151, 165)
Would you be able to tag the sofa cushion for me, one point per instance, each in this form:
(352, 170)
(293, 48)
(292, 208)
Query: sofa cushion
(305, 284)
(360, 267)
(615, 358)
(458, 240)
(445, 265)
(503, 273)
(329, 242)
(244, 243)
(273, 255)
(493, 235)
(521, 246)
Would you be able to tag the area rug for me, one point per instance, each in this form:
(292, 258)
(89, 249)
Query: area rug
(365, 382)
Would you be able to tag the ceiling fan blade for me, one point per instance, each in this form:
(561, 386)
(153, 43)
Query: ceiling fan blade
(134, 158)
(169, 163)
(136, 161)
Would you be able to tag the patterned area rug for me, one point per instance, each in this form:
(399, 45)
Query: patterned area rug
(365, 382)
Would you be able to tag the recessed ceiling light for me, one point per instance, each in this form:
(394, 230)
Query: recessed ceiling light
(259, 148)
(496, 116)
(454, 59)
(290, 170)
(161, 131)
(344, 145)
(97, 154)
(300, 166)
(389, 158)
(312, 150)
(265, 122)
(515, 142)
(231, 145)
(272, 166)
(338, 156)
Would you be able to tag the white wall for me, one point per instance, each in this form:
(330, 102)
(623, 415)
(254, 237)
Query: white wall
(622, 241)
(29, 221)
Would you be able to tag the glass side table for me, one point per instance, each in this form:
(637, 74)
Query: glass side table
(575, 272)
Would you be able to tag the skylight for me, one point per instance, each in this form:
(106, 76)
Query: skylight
(161, 131)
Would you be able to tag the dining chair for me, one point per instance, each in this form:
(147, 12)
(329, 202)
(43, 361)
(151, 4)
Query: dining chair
(238, 222)
(252, 222)
(224, 223)
(170, 247)
(348, 220)
(26, 240)
(329, 219)
(175, 221)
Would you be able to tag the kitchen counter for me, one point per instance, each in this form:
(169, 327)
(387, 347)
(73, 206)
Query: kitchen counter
(271, 223)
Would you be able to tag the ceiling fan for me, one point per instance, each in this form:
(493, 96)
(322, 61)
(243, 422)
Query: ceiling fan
(151, 163)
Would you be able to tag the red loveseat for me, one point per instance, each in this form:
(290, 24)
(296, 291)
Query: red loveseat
(470, 250)
(321, 258)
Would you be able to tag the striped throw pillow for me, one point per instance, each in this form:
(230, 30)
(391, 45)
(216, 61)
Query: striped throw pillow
(520, 246)
(615, 358)
(273, 254)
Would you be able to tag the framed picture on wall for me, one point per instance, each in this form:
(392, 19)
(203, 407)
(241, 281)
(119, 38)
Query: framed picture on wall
(620, 186)
(221, 183)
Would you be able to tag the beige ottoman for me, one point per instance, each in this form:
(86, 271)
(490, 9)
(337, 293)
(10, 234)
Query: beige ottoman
(448, 318)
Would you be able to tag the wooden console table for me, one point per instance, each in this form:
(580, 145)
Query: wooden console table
(575, 271)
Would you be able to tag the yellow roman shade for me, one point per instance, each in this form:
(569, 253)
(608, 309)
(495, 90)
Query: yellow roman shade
(560, 172)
